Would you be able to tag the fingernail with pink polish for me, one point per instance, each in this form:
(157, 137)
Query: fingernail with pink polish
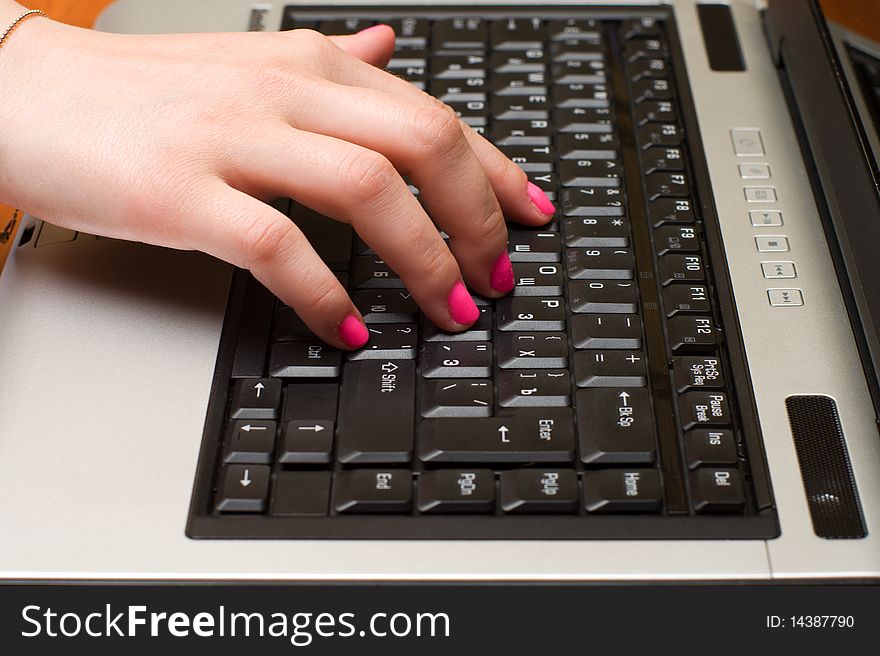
(501, 277)
(462, 308)
(539, 199)
(353, 332)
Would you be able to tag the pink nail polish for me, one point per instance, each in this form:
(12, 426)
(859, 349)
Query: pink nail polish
(539, 199)
(501, 277)
(462, 308)
(353, 332)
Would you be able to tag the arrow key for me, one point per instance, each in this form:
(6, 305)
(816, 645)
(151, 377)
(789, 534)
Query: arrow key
(250, 442)
(306, 442)
(256, 398)
(244, 489)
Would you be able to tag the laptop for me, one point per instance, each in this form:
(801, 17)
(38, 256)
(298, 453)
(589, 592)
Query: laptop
(682, 387)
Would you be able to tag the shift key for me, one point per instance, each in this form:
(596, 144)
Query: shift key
(376, 412)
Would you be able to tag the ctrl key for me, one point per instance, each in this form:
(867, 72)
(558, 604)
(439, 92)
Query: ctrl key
(244, 489)
(373, 491)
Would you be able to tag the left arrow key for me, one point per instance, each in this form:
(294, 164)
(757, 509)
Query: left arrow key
(249, 441)
(243, 489)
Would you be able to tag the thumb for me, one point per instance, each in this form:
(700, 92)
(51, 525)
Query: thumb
(374, 45)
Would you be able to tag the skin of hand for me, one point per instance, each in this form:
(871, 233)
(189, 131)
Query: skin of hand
(182, 140)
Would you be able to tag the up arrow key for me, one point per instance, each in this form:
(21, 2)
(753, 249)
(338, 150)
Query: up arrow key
(258, 388)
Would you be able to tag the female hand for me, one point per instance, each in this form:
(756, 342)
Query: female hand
(180, 140)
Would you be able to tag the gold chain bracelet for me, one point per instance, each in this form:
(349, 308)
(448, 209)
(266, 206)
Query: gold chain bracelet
(17, 22)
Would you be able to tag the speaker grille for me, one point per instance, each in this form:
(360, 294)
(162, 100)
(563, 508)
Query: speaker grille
(825, 468)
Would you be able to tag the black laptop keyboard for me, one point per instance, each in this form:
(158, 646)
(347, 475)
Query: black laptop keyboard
(595, 401)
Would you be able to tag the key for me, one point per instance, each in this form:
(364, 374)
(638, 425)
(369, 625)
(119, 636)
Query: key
(574, 29)
(717, 491)
(459, 90)
(608, 368)
(459, 33)
(343, 25)
(516, 34)
(645, 48)
(603, 297)
(703, 409)
(616, 426)
(539, 491)
(622, 490)
(691, 334)
(249, 442)
(410, 30)
(520, 133)
(289, 327)
(654, 111)
(305, 493)
(389, 341)
(596, 231)
(532, 351)
(457, 398)
(457, 67)
(372, 491)
(659, 134)
(306, 442)
(369, 272)
(456, 360)
(480, 331)
(676, 239)
(681, 268)
(590, 173)
(310, 401)
(697, 373)
(525, 435)
(584, 119)
(244, 489)
(529, 61)
(686, 299)
(529, 246)
(575, 71)
(376, 407)
(534, 389)
(662, 158)
(531, 159)
(600, 263)
(255, 398)
(331, 240)
(650, 68)
(392, 306)
(304, 360)
(574, 50)
(251, 343)
(646, 26)
(671, 210)
(520, 84)
(578, 94)
(471, 113)
(707, 446)
(537, 279)
(530, 313)
(593, 201)
(457, 491)
(606, 331)
(666, 184)
(587, 145)
(520, 108)
(648, 89)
